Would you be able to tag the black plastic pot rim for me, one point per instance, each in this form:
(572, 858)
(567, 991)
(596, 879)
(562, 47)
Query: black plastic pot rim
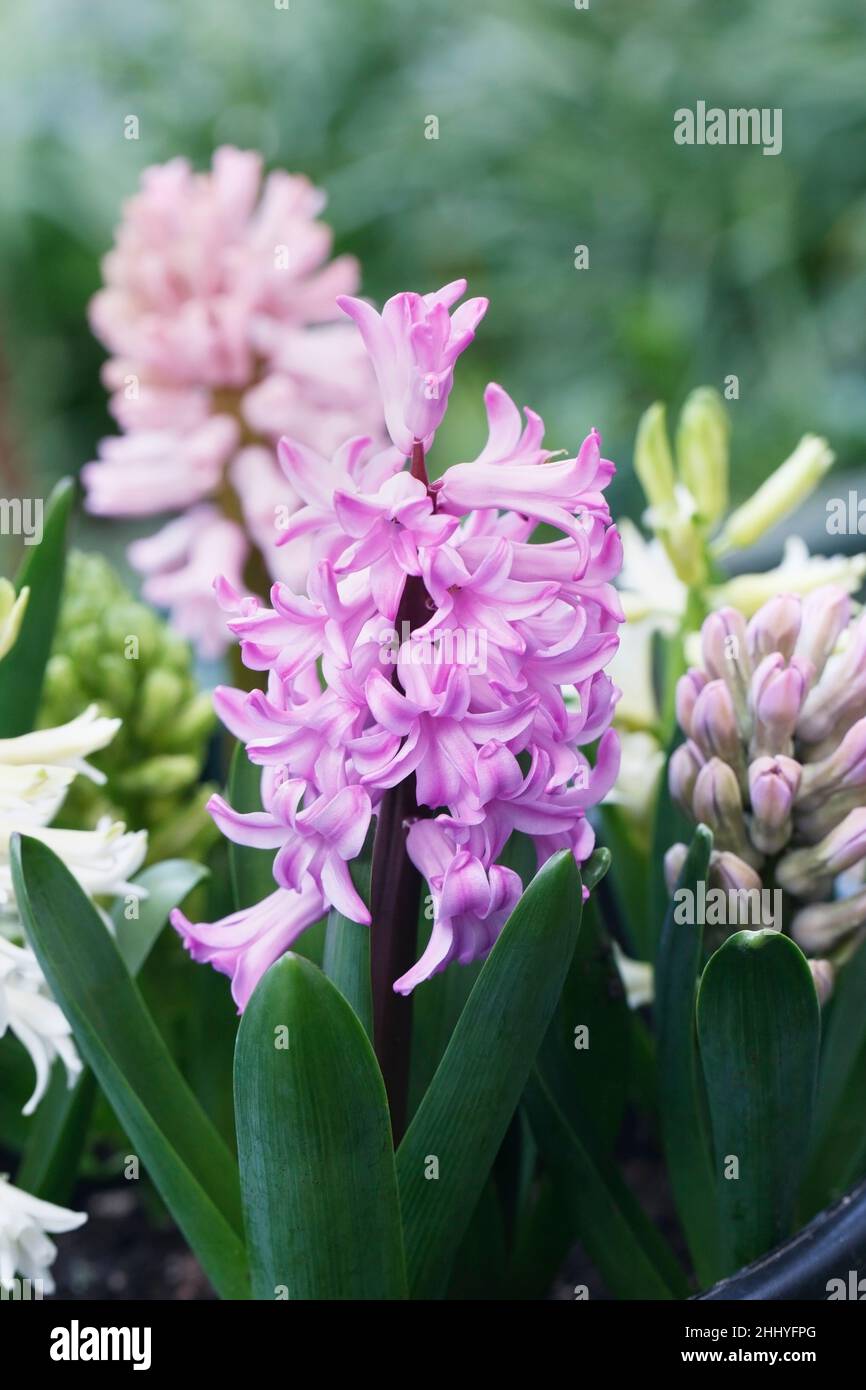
(831, 1248)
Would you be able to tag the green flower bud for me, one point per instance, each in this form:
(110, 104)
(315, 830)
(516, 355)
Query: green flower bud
(83, 646)
(189, 833)
(702, 453)
(168, 772)
(194, 724)
(160, 696)
(115, 682)
(684, 545)
(134, 632)
(653, 461)
(114, 651)
(174, 653)
(61, 686)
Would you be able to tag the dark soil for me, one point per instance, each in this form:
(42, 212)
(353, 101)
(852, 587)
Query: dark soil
(123, 1254)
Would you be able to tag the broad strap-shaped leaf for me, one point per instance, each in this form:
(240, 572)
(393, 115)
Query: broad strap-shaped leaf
(436, 1007)
(482, 1258)
(166, 886)
(630, 1254)
(839, 1141)
(629, 885)
(59, 1129)
(42, 571)
(759, 1030)
(584, 1058)
(314, 1139)
(541, 1244)
(461, 1121)
(346, 957)
(177, 1144)
(680, 1081)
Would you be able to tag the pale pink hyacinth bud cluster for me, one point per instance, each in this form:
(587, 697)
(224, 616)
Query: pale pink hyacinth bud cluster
(219, 310)
(433, 643)
(774, 760)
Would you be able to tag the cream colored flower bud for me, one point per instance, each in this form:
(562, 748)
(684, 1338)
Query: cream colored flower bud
(823, 978)
(799, 573)
(702, 453)
(679, 534)
(653, 461)
(781, 494)
(674, 860)
(11, 613)
(638, 978)
(822, 926)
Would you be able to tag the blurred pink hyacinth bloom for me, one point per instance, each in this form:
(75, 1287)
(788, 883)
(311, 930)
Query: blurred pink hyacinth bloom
(219, 309)
(440, 676)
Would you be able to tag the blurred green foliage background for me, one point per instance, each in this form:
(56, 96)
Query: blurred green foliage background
(556, 129)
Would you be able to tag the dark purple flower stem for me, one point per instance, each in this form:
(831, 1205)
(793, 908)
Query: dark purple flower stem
(395, 893)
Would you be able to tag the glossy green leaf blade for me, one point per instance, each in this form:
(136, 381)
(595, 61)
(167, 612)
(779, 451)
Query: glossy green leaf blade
(631, 1256)
(680, 1082)
(314, 1138)
(584, 1058)
(435, 1010)
(59, 1131)
(759, 1032)
(629, 885)
(464, 1115)
(116, 1036)
(541, 1244)
(346, 957)
(22, 669)
(839, 1139)
(346, 962)
(482, 1257)
(166, 885)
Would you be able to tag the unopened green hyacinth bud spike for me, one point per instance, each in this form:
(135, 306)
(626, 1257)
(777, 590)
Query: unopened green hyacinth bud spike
(653, 461)
(160, 776)
(117, 653)
(161, 695)
(703, 435)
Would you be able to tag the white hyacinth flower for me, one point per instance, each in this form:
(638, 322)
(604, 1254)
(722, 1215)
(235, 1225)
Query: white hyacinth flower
(648, 584)
(103, 860)
(799, 573)
(25, 1224)
(28, 1011)
(36, 770)
(638, 978)
(653, 600)
(65, 746)
(641, 761)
